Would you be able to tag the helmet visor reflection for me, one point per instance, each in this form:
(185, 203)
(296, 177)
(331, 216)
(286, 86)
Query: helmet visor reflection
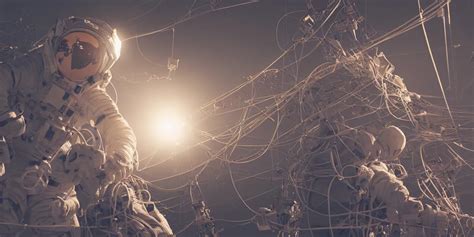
(79, 56)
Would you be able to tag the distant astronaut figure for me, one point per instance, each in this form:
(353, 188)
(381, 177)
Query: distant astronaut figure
(46, 98)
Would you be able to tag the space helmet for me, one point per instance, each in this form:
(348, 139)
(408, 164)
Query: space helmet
(390, 143)
(81, 48)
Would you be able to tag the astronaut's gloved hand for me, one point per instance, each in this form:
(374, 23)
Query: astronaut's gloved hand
(58, 208)
(117, 168)
(11, 124)
(88, 191)
(61, 208)
(83, 161)
(149, 221)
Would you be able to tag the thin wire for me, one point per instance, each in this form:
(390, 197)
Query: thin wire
(446, 47)
(159, 2)
(172, 25)
(435, 67)
(116, 98)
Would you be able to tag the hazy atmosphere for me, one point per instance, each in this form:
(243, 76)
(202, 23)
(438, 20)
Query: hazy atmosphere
(229, 99)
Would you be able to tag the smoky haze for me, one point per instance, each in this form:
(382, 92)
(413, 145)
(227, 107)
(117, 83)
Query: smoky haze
(218, 51)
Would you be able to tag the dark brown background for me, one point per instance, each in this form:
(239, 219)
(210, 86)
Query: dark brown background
(218, 50)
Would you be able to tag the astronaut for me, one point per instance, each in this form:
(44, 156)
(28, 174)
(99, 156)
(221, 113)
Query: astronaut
(47, 97)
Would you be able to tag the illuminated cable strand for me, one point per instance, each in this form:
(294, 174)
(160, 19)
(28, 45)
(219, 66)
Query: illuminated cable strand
(420, 9)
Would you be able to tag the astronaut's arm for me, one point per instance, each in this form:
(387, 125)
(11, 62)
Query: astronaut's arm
(15, 76)
(12, 124)
(117, 135)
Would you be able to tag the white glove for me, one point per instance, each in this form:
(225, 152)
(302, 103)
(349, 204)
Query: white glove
(83, 161)
(116, 168)
(11, 124)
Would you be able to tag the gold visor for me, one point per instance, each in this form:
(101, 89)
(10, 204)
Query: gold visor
(79, 56)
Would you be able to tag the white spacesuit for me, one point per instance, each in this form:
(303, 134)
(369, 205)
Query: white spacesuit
(46, 96)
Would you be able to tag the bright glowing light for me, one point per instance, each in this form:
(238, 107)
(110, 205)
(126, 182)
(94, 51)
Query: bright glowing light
(169, 127)
(117, 44)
